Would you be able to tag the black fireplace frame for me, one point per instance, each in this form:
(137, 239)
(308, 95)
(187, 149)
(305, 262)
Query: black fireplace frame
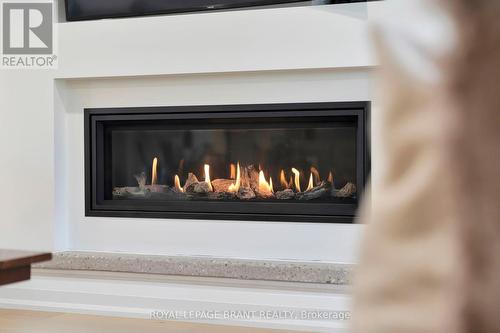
(96, 205)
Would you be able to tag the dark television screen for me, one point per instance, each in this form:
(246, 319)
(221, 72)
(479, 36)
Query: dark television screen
(77, 10)
(98, 9)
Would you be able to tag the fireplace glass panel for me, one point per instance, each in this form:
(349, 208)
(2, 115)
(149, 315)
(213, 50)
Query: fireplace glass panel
(307, 160)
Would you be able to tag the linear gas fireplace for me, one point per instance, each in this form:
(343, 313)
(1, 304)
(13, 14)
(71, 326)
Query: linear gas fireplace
(276, 162)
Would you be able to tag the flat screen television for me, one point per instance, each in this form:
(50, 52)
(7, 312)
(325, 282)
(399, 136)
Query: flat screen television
(77, 10)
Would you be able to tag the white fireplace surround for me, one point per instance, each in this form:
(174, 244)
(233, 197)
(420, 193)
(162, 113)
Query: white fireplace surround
(252, 239)
(278, 55)
(297, 54)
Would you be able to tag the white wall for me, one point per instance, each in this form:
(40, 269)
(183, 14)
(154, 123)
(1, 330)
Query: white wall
(290, 54)
(26, 160)
(334, 36)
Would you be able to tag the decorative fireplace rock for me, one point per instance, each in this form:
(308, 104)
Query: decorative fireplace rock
(277, 162)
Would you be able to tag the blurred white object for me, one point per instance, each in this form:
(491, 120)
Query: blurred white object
(416, 33)
(410, 254)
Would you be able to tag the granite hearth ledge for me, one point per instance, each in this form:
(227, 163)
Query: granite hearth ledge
(200, 266)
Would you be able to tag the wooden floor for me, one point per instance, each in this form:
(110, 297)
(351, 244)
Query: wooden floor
(14, 321)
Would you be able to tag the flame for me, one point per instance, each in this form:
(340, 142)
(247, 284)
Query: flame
(297, 179)
(311, 183)
(317, 178)
(330, 178)
(232, 171)
(207, 177)
(236, 186)
(154, 176)
(283, 181)
(177, 184)
(264, 187)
